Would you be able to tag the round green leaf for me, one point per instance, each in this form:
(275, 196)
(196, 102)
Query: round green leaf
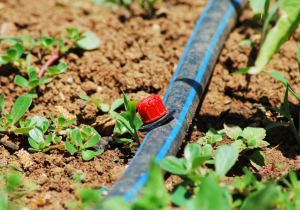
(21, 81)
(37, 135)
(92, 141)
(89, 42)
(71, 148)
(87, 154)
(225, 158)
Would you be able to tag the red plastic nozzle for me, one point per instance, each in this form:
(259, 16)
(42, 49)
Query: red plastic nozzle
(151, 109)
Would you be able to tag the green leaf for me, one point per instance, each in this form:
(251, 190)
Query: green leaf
(37, 135)
(34, 83)
(180, 196)
(32, 93)
(10, 42)
(3, 201)
(19, 108)
(251, 133)
(21, 81)
(120, 119)
(122, 140)
(71, 148)
(69, 122)
(125, 101)
(48, 139)
(246, 42)
(207, 150)
(99, 152)
(225, 158)
(32, 73)
(76, 137)
(199, 161)
(232, 131)
(33, 143)
(53, 119)
(61, 119)
(92, 141)
(286, 24)
(2, 103)
(24, 130)
(257, 5)
(12, 53)
(154, 194)
(245, 70)
(173, 165)
(116, 104)
(19, 49)
(191, 152)
(89, 42)
(239, 144)
(209, 196)
(87, 155)
(4, 59)
(28, 60)
(258, 159)
(119, 128)
(131, 113)
(261, 199)
(48, 41)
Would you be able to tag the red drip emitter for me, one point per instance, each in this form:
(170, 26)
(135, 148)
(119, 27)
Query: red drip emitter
(153, 112)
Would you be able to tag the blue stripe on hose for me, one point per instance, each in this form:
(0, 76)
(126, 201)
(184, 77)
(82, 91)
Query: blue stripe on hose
(187, 48)
(177, 70)
(141, 182)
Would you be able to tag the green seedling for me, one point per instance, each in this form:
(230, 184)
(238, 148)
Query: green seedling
(57, 70)
(38, 142)
(211, 137)
(191, 168)
(13, 56)
(103, 107)
(88, 198)
(81, 140)
(47, 42)
(33, 81)
(119, 129)
(129, 120)
(254, 139)
(78, 178)
(19, 108)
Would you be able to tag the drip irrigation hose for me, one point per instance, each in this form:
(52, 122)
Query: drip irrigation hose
(184, 93)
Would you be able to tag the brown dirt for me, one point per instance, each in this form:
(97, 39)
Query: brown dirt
(136, 55)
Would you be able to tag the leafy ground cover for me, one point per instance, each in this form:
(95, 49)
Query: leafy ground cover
(138, 55)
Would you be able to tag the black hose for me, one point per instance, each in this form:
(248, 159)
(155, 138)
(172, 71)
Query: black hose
(184, 92)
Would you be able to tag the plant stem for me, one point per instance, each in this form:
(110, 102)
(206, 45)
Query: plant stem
(53, 58)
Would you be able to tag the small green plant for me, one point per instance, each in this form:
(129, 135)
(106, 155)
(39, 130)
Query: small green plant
(57, 70)
(13, 56)
(129, 120)
(211, 137)
(88, 198)
(81, 140)
(14, 187)
(33, 82)
(103, 107)
(39, 141)
(78, 178)
(19, 108)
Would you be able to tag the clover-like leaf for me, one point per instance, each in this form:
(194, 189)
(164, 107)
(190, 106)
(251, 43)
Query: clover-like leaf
(89, 42)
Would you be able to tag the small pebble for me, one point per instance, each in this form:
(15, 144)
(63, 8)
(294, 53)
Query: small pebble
(70, 80)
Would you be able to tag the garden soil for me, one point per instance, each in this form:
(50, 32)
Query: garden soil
(137, 55)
